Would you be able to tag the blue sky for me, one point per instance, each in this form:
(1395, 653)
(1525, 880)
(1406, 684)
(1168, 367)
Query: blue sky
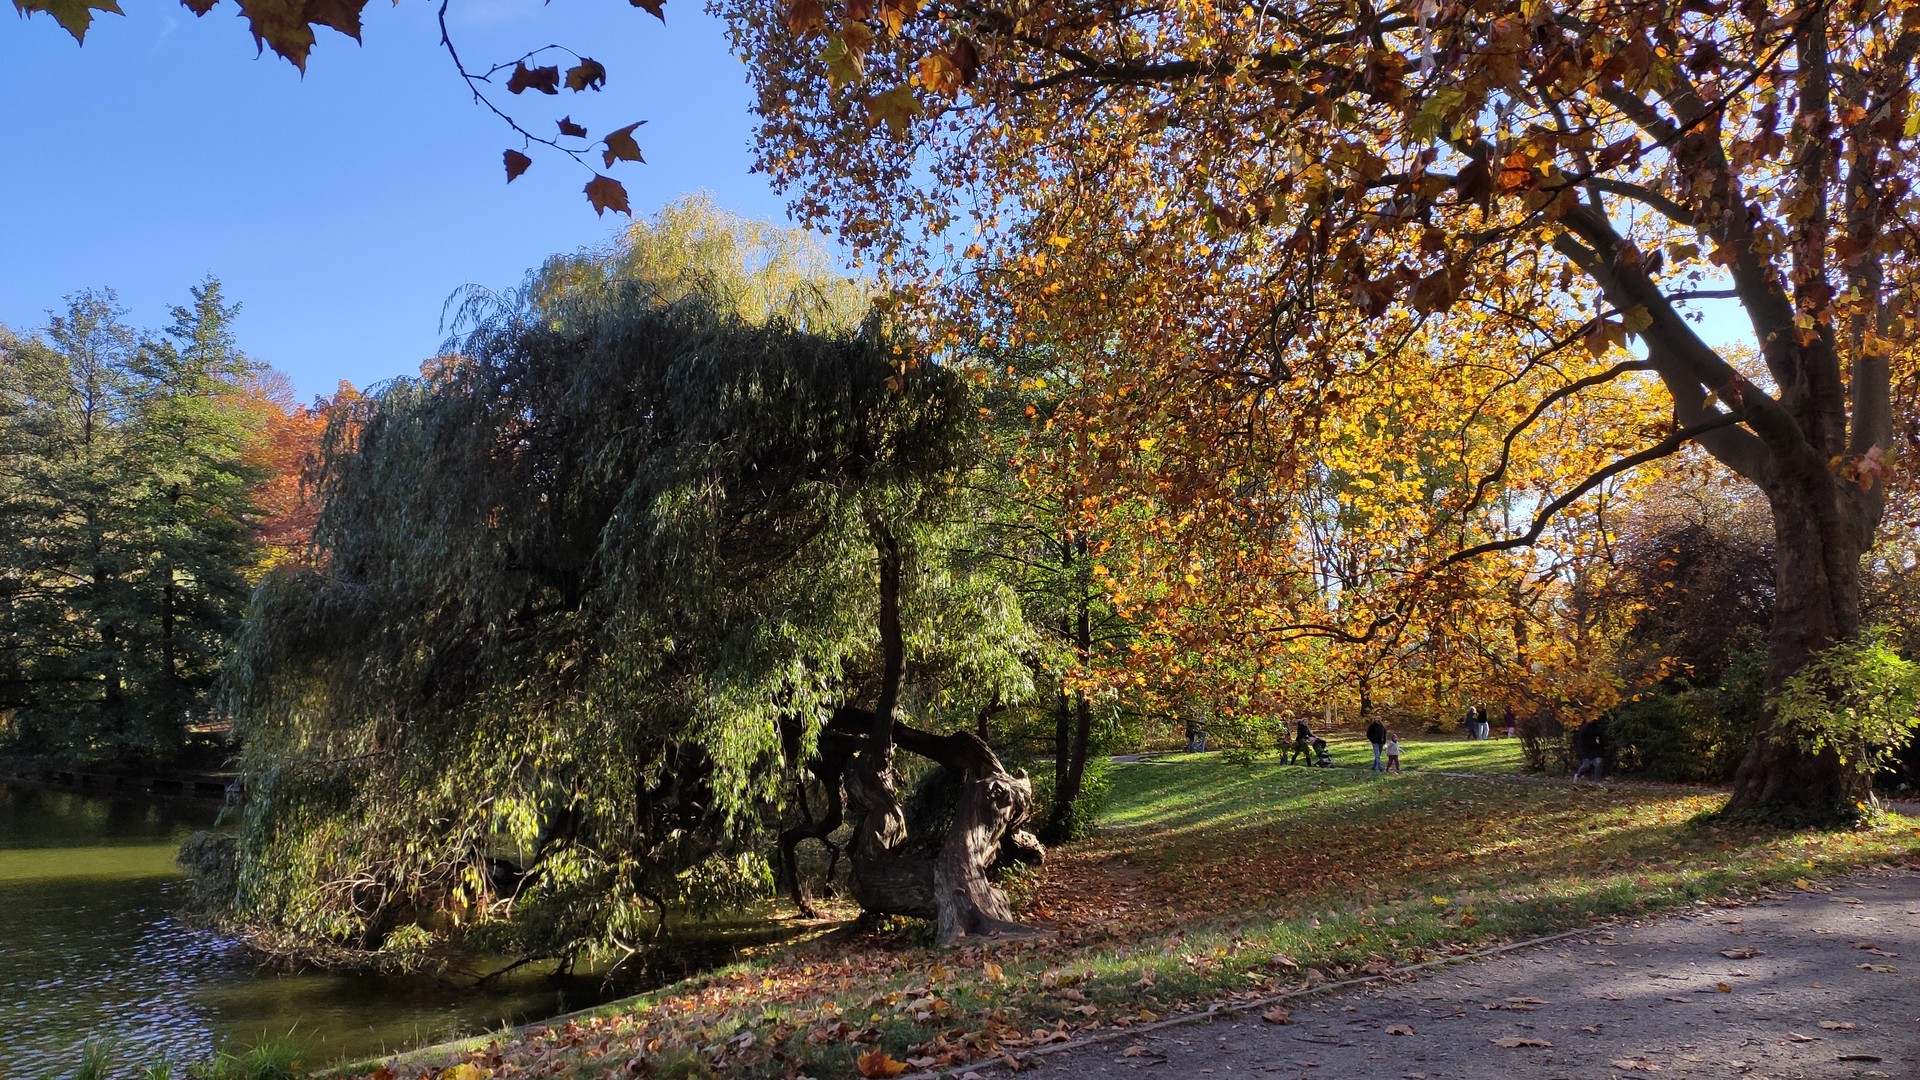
(341, 208)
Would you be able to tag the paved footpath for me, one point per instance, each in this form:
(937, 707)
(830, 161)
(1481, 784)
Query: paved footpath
(1804, 984)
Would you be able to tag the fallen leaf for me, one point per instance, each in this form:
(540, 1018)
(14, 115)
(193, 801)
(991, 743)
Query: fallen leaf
(1837, 1025)
(1400, 1029)
(1511, 1041)
(1723, 988)
(1794, 1036)
(879, 1063)
(1738, 954)
(1883, 968)
(1277, 1015)
(1635, 1065)
(993, 971)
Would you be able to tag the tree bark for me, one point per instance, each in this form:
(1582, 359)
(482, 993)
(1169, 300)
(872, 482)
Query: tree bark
(953, 885)
(1818, 545)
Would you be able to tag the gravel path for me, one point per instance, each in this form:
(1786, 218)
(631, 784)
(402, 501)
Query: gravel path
(1813, 983)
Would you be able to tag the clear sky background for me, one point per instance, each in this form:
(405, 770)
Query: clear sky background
(342, 208)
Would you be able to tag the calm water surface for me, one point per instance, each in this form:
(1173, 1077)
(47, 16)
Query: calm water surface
(91, 947)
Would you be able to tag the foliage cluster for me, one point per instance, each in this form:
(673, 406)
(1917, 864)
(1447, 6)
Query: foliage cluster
(130, 465)
(585, 592)
(1859, 700)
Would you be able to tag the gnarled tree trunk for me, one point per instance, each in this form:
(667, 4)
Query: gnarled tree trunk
(890, 876)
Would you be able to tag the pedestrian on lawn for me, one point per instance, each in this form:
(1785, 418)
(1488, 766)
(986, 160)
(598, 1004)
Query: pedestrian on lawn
(1590, 742)
(1393, 752)
(1511, 720)
(1377, 735)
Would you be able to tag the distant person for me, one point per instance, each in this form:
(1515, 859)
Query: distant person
(1511, 720)
(1393, 752)
(1377, 735)
(1473, 721)
(1302, 742)
(1196, 736)
(1589, 741)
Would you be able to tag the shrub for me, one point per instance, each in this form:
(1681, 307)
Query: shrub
(1859, 699)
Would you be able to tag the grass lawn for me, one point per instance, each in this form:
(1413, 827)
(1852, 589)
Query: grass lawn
(1210, 880)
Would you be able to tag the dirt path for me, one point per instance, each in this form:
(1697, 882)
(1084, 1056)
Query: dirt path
(1814, 983)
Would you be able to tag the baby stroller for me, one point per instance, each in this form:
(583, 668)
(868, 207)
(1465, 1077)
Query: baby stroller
(1319, 758)
(1314, 750)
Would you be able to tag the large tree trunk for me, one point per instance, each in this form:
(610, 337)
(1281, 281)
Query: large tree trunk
(1817, 601)
(889, 874)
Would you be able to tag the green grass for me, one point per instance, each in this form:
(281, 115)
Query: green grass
(1214, 878)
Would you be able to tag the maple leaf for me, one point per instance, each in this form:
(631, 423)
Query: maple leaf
(621, 147)
(588, 74)
(1278, 1015)
(198, 7)
(568, 127)
(895, 13)
(655, 8)
(805, 16)
(517, 163)
(1511, 1041)
(341, 15)
(544, 79)
(938, 74)
(606, 193)
(897, 108)
(878, 1063)
(280, 25)
(74, 16)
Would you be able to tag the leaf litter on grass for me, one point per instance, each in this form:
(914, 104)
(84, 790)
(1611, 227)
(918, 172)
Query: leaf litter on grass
(1227, 881)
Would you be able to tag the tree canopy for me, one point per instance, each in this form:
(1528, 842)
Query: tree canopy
(1255, 228)
(586, 593)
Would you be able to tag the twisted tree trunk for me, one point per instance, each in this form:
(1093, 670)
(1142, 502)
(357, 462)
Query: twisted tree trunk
(890, 876)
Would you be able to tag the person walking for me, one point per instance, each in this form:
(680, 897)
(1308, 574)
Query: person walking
(1302, 742)
(1589, 741)
(1393, 752)
(1511, 720)
(1377, 735)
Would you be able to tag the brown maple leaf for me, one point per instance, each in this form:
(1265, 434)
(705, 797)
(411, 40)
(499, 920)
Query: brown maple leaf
(544, 79)
(606, 193)
(620, 145)
(655, 8)
(879, 1063)
(588, 74)
(568, 127)
(517, 163)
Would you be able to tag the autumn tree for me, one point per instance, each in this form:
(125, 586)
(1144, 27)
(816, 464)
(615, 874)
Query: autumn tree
(630, 564)
(1255, 205)
(128, 524)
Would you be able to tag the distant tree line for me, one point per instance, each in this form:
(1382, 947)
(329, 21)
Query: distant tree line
(133, 470)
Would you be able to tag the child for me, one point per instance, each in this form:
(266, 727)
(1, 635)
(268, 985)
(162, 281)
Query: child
(1393, 752)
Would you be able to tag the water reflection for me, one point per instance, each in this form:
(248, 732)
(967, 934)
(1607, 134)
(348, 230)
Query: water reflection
(90, 948)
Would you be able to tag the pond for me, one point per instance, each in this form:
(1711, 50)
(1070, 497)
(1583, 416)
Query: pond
(92, 947)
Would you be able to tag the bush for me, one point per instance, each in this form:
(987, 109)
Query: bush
(1096, 785)
(212, 865)
(1689, 734)
(1544, 744)
(1859, 699)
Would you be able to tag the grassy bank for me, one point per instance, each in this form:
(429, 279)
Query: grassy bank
(1211, 880)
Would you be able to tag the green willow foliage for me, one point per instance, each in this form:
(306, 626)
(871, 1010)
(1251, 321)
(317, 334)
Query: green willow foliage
(571, 582)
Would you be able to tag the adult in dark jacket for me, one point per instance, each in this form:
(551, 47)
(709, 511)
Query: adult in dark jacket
(1302, 742)
(1590, 742)
(1377, 735)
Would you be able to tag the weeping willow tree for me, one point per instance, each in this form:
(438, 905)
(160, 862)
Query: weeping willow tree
(593, 596)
